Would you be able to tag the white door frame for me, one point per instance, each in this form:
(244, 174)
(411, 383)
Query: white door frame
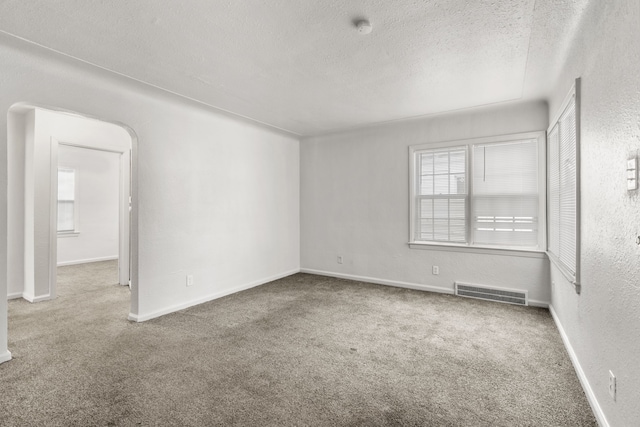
(123, 209)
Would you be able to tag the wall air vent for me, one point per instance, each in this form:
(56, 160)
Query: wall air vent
(509, 296)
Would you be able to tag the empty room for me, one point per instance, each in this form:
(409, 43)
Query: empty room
(320, 212)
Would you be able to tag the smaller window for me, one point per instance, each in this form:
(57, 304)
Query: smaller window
(66, 200)
(564, 188)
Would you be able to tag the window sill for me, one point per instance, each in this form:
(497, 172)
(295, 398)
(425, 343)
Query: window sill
(68, 234)
(568, 274)
(527, 253)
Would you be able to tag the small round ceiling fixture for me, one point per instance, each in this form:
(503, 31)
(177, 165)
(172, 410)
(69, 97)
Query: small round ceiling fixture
(364, 26)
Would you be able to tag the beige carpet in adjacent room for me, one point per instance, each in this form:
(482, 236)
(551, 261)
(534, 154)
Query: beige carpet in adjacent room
(301, 351)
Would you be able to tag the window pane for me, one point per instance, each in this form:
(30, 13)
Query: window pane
(66, 196)
(442, 220)
(505, 201)
(442, 174)
(66, 184)
(458, 162)
(441, 208)
(425, 223)
(441, 184)
(506, 222)
(506, 168)
(426, 229)
(457, 184)
(426, 185)
(457, 230)
(441, 230)
(441, 163)
(426, 208)
(457, 209)
(65, 215)
(426, 163)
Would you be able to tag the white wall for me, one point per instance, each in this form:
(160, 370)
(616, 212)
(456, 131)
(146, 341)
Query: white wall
(602, 324)
(355, 203)
(97, 201)
(15, 197)
(216, 196)
(28, 209)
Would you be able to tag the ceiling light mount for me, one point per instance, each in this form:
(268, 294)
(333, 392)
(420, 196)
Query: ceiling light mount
(364, 26)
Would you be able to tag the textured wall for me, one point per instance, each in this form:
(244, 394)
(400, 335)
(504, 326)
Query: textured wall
(603, 322)
(355, 203)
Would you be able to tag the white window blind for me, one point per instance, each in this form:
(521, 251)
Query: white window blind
(505, 193)
(554, 191)
(563, 189)
(442, 195)
(66, 200)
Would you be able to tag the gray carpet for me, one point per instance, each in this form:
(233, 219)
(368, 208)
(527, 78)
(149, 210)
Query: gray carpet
(304, 350)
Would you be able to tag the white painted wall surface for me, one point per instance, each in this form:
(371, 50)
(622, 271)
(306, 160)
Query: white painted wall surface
(97, 200)
(355, 203)
(28, 208)
(15, 197)
(603, 322)
(217, 196)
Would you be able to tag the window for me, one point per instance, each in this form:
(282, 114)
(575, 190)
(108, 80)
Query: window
(486, 192)
(563, 183)
(442, 194)
(66, 200)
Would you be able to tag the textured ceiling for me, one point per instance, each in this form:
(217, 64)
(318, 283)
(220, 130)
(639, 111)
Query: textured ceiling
(300, 65)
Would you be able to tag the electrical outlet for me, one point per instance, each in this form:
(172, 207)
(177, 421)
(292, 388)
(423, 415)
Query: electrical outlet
(612, 385)
(339, 259)
(189, 279)
(435, 270)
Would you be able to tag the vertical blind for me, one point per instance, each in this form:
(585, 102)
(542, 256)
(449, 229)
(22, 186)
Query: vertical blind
(66, 199)
(563, 192)
(505, 193)
(442, 195)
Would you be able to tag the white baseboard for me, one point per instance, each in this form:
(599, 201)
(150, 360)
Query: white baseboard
(5, 357)
(398, 284)
(15, 295)
(211, 297)
(588, 391)
(32, 298)
(536, 303)
(88, 260)
(375, 280)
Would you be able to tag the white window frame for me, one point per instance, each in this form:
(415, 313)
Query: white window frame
(538, 252)
(572, 275)
(75, 232)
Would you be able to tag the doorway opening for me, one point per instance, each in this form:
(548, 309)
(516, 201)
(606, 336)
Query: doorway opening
(90, 194)
(42, 143)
